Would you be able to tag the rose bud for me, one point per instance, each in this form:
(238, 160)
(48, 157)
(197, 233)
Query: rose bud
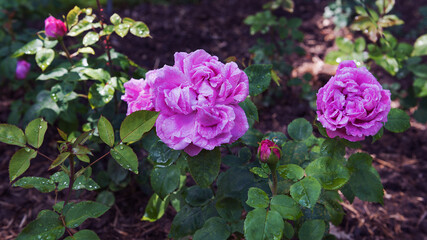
(265, 149)
(22, 69)
(54, 28)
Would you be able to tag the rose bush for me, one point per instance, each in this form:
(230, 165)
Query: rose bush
(54, 28)
(197, 99)
(352, 104)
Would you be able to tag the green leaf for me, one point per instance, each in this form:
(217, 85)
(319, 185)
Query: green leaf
(420, 87)
(20, 162)
(30, 48)
(250, 109)
(229, 208)
(189, 219)
(44, 57)
(90, 38)
(73, 17)
(43, 185)
(125, 157)
(204, 167)
(294, 152)
(161, 154)
(291, 171)
(300, 129)
(329, 172)
(286, 206)
(107, 198)
(419, 70)
(344, 44)
(197, 196)
(359, 44)
(83, 25)
(50, 43)
(420, 46)
(306, 192)
(139, 29)
(263, 225)
(214, 229)
(384, 6)
(365, 181)
(334, 57)
(257, 198)
(259, 78)
(136, 124)
(312, 230)
(106, 131)
(155, 208)
(165, 180)
(87, 50)
(83, 235)
(333, 148)
(259, 172)
(77, 213)
(11, 134)
(56, 74)
(82, 138)
(288, 231)
(100, 94)
(252, 137)
(60, 159)
(398, 121)
(97, 74)
(115, 19)
(35, 132)
(122, 29)
(47, 226)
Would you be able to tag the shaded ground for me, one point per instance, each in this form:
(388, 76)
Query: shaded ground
(217, 26)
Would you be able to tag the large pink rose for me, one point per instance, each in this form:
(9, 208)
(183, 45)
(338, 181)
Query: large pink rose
(352, 104)
(198, 100)
(54, 28)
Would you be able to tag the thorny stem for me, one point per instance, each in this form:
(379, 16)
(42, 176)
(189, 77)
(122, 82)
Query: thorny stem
(103, 156)
(48, 158)
(70, 186)
(274, 183)
(107, 37)
(65, 50)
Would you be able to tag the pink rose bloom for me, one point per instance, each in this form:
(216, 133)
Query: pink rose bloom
(266, 147)
(352, 104)
(54, 28)
(198, 102)
(138, 95)
(22, 69)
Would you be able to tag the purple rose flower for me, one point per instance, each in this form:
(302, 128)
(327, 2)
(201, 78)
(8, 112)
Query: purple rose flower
(22, 69)
(197, 99)
(54, 28)
(352, 104)
(138, 95)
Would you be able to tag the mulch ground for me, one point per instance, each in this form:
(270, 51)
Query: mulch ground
(217, 26)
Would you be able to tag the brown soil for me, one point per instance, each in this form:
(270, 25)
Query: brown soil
(217, 27)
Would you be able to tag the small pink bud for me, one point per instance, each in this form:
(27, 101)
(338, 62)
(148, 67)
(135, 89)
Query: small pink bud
(54, 28)
(22, 69)
(265, 148)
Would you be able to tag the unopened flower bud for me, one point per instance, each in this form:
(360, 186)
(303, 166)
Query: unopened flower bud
(268, 151)
(54, 28)
(22, 69)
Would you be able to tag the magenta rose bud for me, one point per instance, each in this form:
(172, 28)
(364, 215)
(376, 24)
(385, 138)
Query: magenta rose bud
(54, 28)
(266, 148)
(352, 104)
(22, 69)
(197, 99)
